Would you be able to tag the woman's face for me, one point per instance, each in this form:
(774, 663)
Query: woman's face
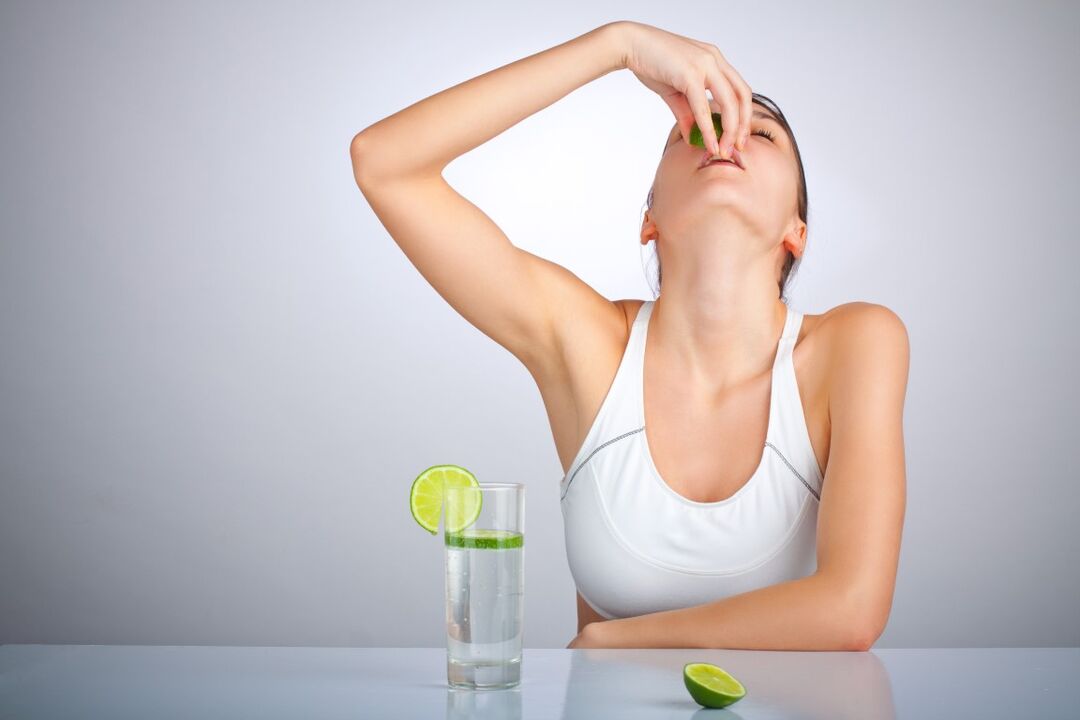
(764, 193)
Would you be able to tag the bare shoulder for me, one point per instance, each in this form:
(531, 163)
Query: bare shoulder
(859, 334)
(587, 323)
(858, 322)
(591, 335)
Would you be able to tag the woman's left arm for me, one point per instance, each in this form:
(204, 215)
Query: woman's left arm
(845, 603)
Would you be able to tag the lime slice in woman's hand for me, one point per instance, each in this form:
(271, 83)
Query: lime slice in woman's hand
(427, 493)
(711, 686)
(695, 131)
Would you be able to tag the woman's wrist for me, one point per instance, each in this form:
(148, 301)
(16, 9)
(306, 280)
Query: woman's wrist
(616, 43)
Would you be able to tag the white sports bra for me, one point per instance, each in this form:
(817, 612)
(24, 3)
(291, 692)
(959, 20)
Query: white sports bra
(636, 546)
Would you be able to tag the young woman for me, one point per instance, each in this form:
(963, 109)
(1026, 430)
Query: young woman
(733, 469)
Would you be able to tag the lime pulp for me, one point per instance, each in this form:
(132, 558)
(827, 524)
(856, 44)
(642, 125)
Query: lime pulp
(711, 686)
(429, 489)
(485, 539)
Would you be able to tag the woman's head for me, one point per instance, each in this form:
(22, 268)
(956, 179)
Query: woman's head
(766, 201)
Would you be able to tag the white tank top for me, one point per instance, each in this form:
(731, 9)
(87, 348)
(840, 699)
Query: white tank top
(636, 546)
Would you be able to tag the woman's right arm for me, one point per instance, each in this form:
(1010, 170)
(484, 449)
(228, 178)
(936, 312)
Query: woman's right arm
(428, 135)
(523, 302)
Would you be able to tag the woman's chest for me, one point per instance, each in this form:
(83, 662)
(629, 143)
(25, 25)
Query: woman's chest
(704, 451)
(708, 452)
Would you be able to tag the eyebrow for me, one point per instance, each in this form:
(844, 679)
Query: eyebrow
(757, 113)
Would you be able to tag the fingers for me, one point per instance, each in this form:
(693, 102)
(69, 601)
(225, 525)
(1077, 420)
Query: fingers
(730, 79)
(746, 104)
(699, 104)
(684, 116)
(711, 72)
(730, 113)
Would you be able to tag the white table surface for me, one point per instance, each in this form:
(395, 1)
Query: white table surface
(145, 681)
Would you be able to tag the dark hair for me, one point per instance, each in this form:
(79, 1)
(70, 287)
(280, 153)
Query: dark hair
(791, 265)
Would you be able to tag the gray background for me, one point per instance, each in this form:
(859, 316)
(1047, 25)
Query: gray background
(219, 375)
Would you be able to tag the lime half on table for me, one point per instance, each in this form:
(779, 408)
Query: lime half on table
(711, 686)
(427, 493)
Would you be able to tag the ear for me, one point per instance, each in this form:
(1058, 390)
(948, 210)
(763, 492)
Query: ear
(649, 230)
(795, 240)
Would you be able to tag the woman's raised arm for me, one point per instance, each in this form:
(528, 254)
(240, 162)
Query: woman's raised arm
(428, 135)
(525, 303)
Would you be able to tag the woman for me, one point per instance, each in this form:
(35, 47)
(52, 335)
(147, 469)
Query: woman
(763, 508)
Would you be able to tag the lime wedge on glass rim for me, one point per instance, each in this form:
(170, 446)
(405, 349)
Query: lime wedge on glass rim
(711, 686)
(427, 493)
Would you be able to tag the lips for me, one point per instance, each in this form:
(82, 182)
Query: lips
(736, 158)
(720, 162)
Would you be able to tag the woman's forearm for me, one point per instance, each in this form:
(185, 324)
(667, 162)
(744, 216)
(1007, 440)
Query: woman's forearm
(808, 613)
(426, 136)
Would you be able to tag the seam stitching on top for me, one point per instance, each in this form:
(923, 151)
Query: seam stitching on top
(598, 449)
(792, 468)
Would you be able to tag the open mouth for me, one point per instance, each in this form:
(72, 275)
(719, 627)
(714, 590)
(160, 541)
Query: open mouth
(721, 162)
(707, 160)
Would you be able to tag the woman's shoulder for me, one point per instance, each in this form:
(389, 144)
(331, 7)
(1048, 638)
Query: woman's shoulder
(850, 321)
(857, 333)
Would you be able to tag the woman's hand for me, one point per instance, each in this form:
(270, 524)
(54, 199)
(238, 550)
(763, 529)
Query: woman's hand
(679, 69)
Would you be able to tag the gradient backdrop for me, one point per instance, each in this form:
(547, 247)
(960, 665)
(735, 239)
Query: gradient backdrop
(219, 375)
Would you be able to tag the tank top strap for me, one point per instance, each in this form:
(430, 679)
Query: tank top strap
(642, 317)
(617, 416)
(787, 421)
(634, 357)
(790, 334)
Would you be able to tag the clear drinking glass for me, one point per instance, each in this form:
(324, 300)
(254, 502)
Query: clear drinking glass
(485, 584)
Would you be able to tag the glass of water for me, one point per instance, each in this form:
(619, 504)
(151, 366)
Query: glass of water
(484, 537)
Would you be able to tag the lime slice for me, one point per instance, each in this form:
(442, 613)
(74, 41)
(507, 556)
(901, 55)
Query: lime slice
(485, 539)
(711, 686)
(426, 498)
(695, 131)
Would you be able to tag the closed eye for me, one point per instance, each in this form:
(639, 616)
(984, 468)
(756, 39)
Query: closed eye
(763, 131)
